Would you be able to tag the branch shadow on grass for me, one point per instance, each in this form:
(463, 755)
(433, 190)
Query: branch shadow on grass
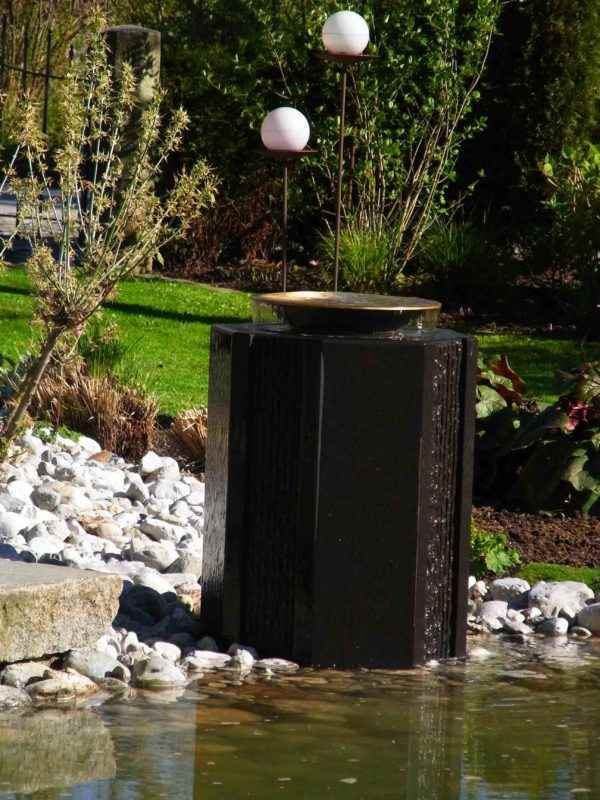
(148, 311)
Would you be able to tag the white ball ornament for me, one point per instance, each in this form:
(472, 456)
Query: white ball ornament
(346, 33)
(285, 130)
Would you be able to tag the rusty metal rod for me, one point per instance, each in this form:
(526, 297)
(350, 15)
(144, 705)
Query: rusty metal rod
(285, 225)
(338, 210)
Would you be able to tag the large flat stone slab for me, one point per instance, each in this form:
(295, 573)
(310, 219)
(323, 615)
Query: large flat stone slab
(46, 610)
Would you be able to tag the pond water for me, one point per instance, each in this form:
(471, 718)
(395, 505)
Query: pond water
(523, 723)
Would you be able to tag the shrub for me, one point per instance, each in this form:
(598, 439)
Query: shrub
(121, 418)
(540, 95)
(368, 257)
(190, 430)
(538, 571)
(491, 552)
(573, 204)
(542, 457)
(459, 257)
(409, 112)
(121, 226)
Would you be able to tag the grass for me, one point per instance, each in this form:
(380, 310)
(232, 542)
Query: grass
(538, 571)
(537, 360)
(165, 327)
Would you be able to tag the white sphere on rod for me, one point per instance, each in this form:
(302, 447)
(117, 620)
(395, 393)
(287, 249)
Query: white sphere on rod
(346, 33)
(285, 130)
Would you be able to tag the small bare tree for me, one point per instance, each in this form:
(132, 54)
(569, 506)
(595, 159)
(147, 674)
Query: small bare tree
(94, 219)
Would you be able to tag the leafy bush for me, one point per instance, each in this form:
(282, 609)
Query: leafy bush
(541, 457)
(409, 111)
(459, 258)
(540, 95)
(491, 552)
(538, 571)
(573, 184)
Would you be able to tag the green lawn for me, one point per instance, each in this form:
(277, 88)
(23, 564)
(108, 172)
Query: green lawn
(165, 326)
(537, 360)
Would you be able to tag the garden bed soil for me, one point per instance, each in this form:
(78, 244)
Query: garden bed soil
(551, 539)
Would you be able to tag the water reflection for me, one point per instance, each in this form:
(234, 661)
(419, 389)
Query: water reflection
(523, 724)
(52, 749)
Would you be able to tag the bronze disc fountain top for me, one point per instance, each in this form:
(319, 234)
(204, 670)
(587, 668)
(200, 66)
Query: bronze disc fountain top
(346, 312)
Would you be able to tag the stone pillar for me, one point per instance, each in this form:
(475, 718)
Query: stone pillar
(339, 473)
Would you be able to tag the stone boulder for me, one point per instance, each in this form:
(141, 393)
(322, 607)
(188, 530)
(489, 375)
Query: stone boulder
(589, 617)
(508, 589)
(560, 598)
(46, 610)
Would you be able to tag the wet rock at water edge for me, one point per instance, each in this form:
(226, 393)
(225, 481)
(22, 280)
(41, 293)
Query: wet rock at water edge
(560, 598)
(157, 673)
(11, 697)
(556, 626)
(95, 666)
(20, 675)
(493, 613)
(200, 660)
(589, 617)
(61, 687)
(276, 665)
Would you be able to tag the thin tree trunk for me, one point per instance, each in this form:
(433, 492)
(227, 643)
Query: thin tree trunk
(30, 385)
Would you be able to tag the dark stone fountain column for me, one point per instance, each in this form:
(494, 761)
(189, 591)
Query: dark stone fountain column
(339, 471)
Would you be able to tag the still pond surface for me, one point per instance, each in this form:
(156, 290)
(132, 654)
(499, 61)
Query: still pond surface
(522, 724)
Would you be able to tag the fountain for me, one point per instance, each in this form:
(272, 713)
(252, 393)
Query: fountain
(339, 471)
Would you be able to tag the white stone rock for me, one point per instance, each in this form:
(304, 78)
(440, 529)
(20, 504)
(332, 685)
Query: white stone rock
(556, 626)
(20, 489)
(493, 613)
(560, 598)
(94, 665)
(13, 698)
(45, 497)
(150, 463)
(515, 616)
(235, 649)
(157, 673)
(200, 660)
(472, 582)
(158, 555)
(168, 651)
(32, 443)
(152, 580)
(276, 665)
(135, 488)
(478, 590)
(90, 446)
(159, 530)
(168, 491)
(11, 524)
(10, 503)
(589, 617)
(509, 589)
(20, 674)
(580, 632)
(168, 470)
(61, 686)
(45, 546)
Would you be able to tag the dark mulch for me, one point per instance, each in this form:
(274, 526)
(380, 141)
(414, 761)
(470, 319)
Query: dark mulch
(551, 539)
